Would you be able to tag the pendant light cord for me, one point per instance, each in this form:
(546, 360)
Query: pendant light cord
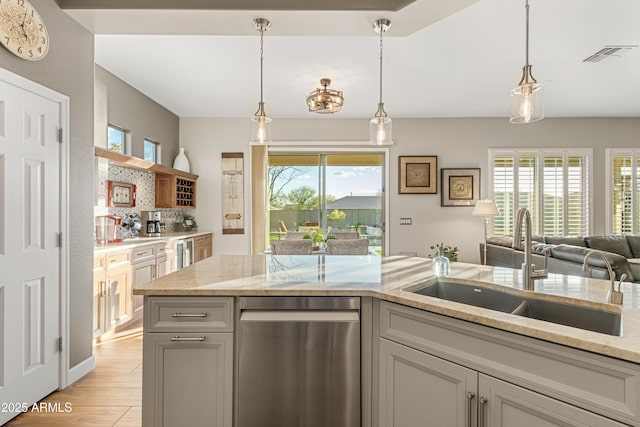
(261, 59)
(381, 33)
(526, 50)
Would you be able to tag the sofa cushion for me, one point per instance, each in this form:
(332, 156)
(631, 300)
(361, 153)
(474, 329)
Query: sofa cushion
(576, 254)
(500, 241)
(615, 244)
(565, 240)
(541, 248)
(634, 244)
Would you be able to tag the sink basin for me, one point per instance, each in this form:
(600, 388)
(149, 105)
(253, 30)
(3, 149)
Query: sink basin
(472, 295)
(577, 316)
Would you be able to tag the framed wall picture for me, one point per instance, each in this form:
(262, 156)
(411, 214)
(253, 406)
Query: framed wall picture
(121, 195)
(460, 187)
(418, 175)
(232, 193)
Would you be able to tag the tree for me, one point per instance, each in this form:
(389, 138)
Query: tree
(277, 178)
(303, 197)
(336, 215)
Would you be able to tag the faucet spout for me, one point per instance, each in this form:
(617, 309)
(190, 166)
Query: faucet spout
(529, 273)
(614, 297)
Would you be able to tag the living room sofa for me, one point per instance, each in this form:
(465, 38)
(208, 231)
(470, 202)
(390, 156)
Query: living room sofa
(565, 255)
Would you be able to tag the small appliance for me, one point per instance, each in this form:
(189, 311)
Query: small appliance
(152, 219)
(108, 229)
(189, 223)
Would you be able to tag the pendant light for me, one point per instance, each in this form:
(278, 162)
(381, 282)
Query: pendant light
(527, 105)
(380, 125)
(260, 123)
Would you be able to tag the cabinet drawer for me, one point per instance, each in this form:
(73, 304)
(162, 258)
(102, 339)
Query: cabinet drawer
(163, 248)
(143, 253)
(192, 314)
(203, 240)
(118, 258)
(99, 262)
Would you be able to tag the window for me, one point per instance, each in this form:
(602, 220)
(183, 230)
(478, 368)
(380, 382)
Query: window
(624, 191)
(552, 184)
(152, 151)
(116, 138)
(338, 190)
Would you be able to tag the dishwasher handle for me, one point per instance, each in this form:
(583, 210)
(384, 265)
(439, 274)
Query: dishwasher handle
(300, 316)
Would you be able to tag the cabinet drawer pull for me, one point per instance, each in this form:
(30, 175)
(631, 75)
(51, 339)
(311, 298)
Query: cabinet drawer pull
(470, 397)
(199, 315)
(178, 338)
(483, 402)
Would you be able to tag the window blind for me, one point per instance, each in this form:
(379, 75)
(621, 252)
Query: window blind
(552, 184)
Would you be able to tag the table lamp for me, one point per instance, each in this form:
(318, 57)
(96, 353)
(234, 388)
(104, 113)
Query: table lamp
(486, 209)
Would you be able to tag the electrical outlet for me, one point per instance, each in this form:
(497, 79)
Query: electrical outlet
(405, 221)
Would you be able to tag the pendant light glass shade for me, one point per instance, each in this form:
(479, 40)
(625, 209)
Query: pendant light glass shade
(380, 131)
(260, 123)
(527, 104)
(380, 124)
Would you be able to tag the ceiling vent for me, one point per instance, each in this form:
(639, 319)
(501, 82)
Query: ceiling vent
(609, 52)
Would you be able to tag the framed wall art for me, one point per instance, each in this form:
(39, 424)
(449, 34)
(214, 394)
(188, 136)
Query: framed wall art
(460, 187)
(418, 175)
(121, 195)
(232, 193)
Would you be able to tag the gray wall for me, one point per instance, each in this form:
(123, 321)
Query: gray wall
(68, 69)
(458, 143)
(135, 112)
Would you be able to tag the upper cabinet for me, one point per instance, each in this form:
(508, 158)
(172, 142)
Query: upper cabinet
(175, 191)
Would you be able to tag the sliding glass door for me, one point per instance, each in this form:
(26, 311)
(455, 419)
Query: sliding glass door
(333, 191)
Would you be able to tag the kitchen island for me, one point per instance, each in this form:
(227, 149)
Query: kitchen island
(584, 374)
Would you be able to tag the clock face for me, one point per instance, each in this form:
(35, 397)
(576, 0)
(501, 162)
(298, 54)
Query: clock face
(22, 30)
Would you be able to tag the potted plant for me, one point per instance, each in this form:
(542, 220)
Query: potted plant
(450, 252)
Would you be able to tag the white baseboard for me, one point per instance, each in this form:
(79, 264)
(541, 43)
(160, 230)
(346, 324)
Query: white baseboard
(81, 369)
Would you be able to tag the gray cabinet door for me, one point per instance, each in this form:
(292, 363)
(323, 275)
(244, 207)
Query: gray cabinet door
(508, 405)
(141, 272)
(418, 390)
(187, 379)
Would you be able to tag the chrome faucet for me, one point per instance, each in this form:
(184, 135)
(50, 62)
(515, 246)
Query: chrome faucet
(529, 273)
(614, 297)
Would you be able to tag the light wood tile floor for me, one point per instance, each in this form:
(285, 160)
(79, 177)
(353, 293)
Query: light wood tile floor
(111, 395)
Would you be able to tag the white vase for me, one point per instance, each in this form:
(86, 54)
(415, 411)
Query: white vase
(181, 162)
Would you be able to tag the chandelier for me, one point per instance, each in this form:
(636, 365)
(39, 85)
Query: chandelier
(260, 122)
(325, 100)
(526, 99)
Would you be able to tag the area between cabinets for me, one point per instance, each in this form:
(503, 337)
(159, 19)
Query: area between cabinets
(117, 271)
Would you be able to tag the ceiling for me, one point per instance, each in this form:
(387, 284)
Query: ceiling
(455, 58)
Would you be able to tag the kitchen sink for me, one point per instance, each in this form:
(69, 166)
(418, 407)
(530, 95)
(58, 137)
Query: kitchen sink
(568, 314)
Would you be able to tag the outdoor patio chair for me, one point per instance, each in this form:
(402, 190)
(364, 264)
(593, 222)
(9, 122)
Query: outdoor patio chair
(295, 235)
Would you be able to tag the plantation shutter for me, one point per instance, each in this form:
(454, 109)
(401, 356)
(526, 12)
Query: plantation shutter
(552, 184)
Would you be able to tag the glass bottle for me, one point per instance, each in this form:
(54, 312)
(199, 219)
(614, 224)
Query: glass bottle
(441, 263)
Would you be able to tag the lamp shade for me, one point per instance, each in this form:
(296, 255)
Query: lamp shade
(485, 208)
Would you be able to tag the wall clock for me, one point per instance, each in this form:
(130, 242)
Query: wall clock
(22, 30)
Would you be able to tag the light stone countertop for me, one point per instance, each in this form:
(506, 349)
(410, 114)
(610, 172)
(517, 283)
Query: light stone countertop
(145, 240)
(387, 278)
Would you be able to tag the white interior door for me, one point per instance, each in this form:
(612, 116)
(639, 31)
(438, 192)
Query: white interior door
(29, 254)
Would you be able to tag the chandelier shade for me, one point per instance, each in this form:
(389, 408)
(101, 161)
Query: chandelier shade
(526, 101)
(380, 124)
(324, 100)
(260, 122)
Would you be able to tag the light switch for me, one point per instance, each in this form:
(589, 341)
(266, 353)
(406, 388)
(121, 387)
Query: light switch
(405, 221)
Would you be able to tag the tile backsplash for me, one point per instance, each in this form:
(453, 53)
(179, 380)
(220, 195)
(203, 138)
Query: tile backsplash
(145, 193)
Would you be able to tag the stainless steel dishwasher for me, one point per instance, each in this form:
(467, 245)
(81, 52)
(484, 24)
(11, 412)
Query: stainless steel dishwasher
(298, 362)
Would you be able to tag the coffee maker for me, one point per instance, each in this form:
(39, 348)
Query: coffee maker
(152, 222)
